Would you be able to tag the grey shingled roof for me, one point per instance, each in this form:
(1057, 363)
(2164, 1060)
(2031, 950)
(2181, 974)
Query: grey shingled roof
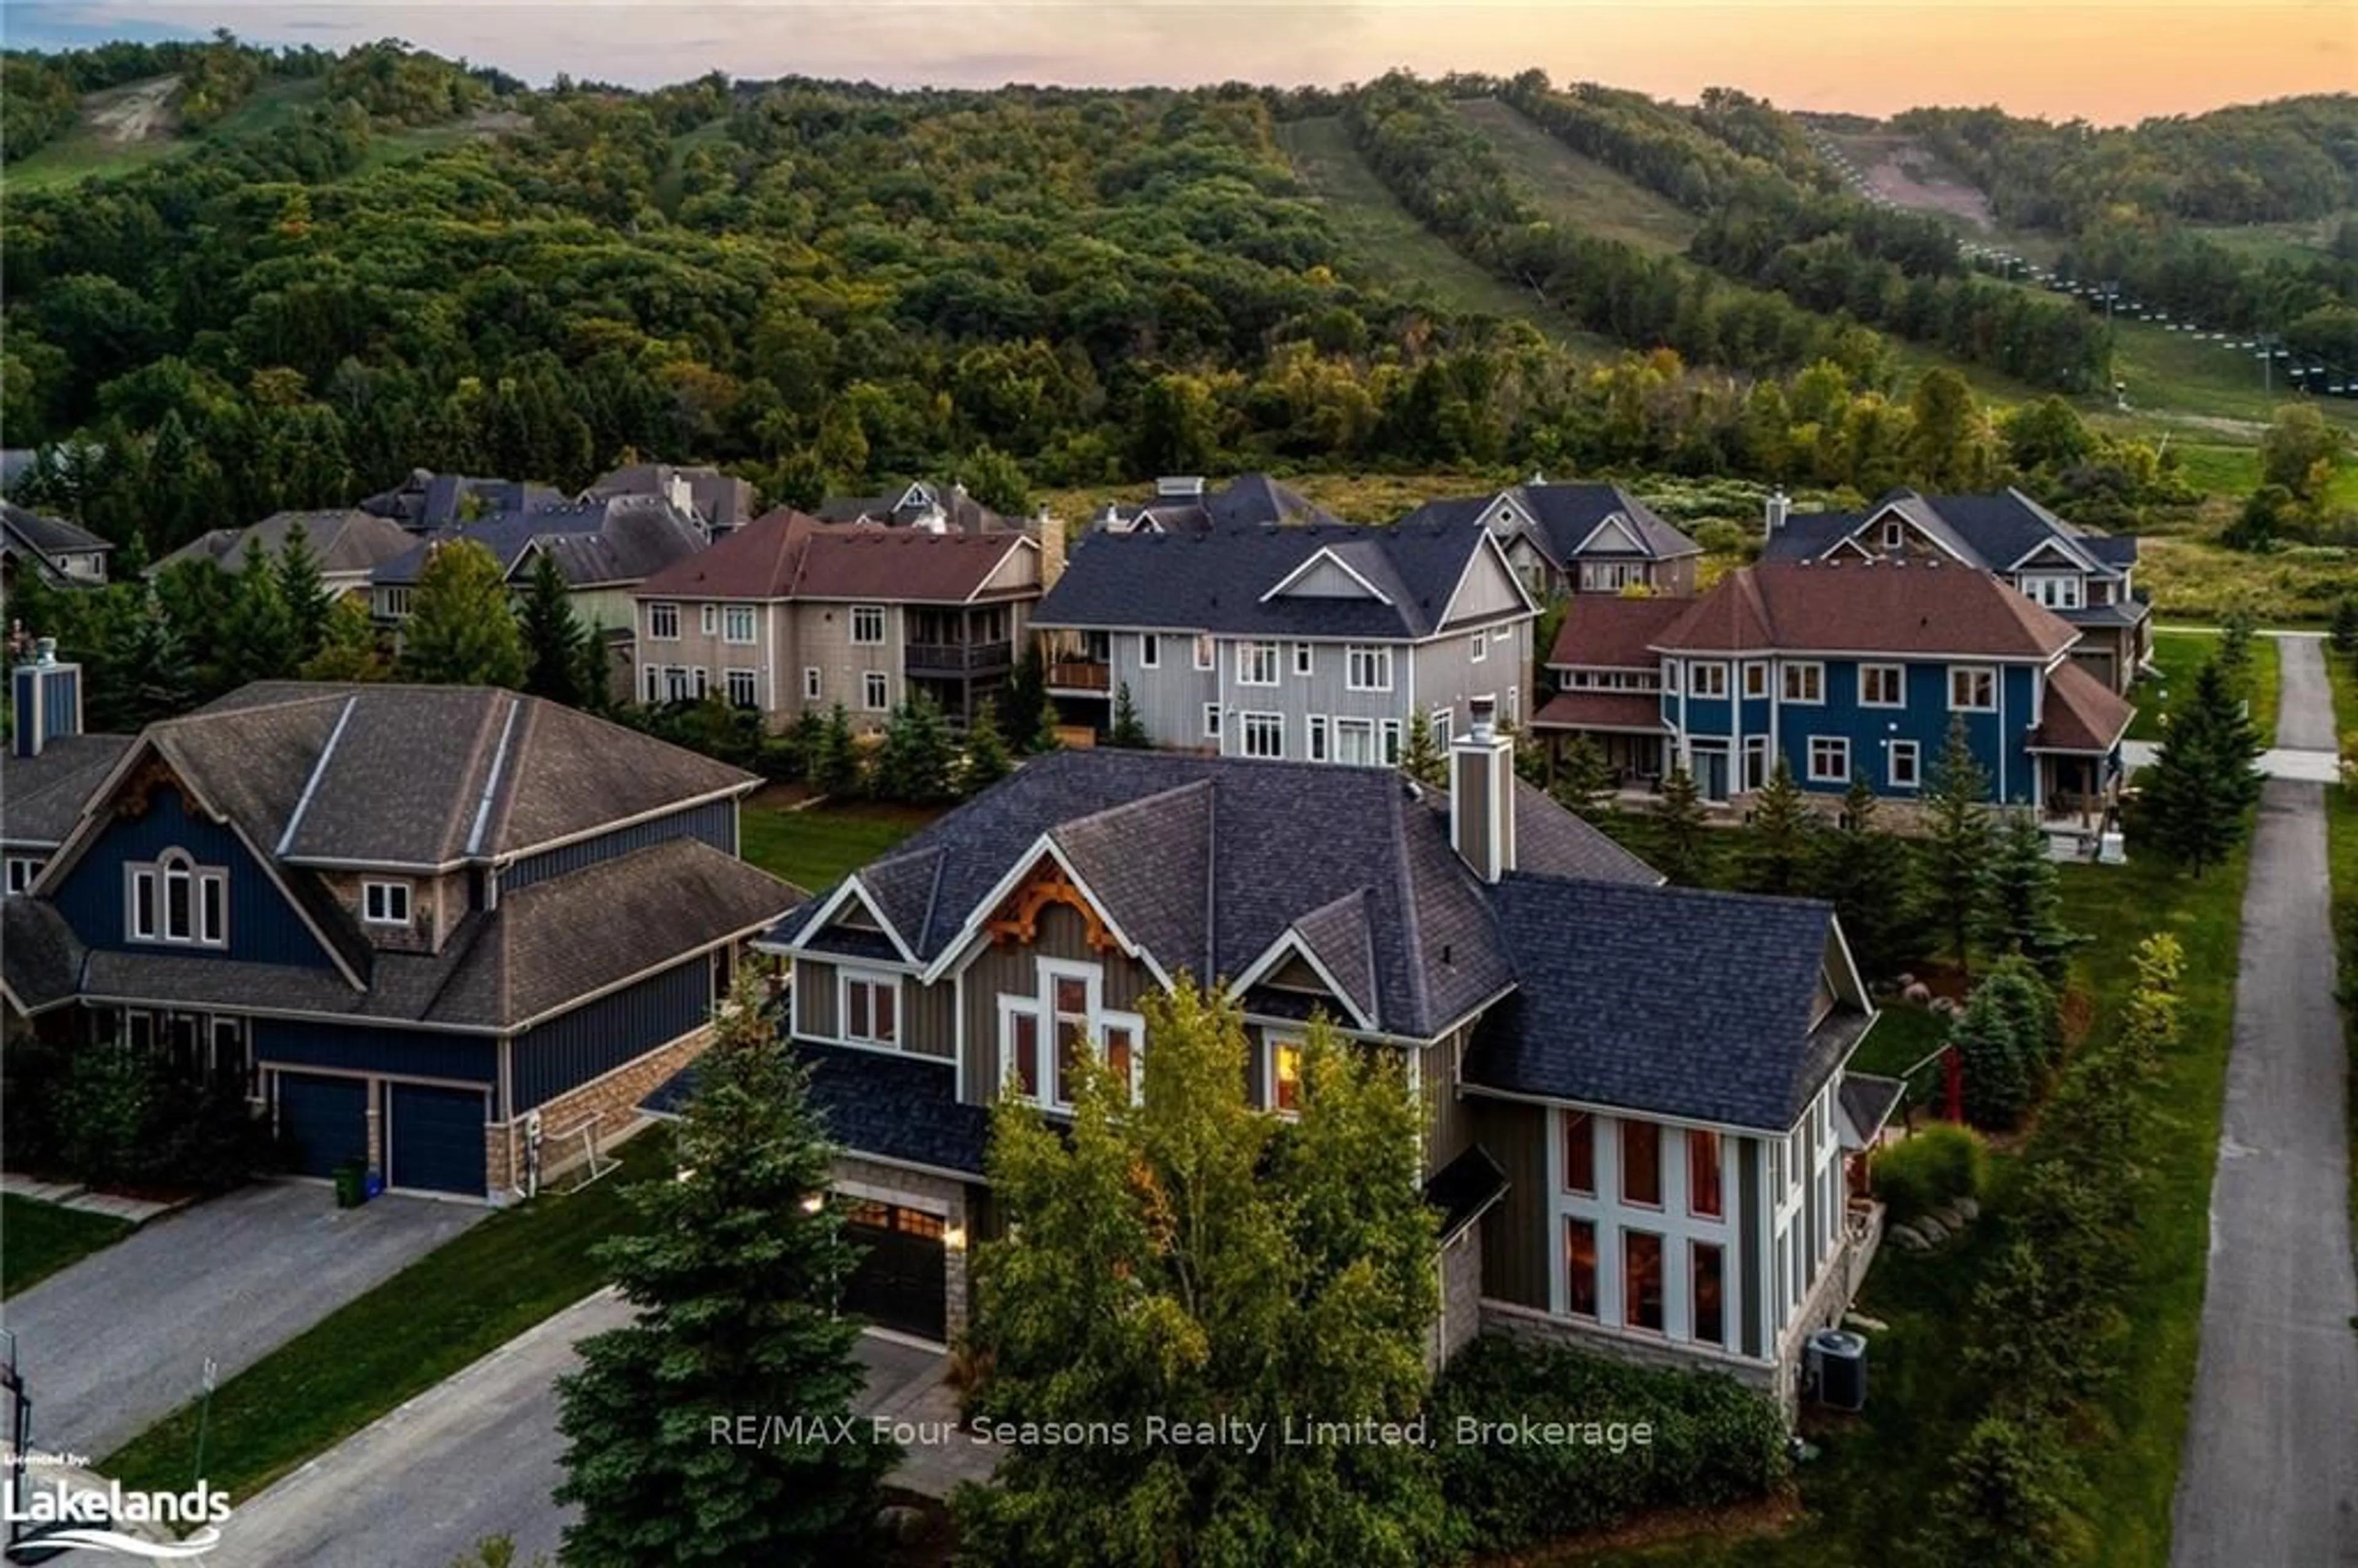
(41, 957)
(903, 1107)
(621, 539)
(723, 501)
(1216, 582)
(1565, 515)
(1991, 530)
(426, 501)
(1869, 1100)
(47, 536)
(1668, 1001)
(351, 542)
(41, 798)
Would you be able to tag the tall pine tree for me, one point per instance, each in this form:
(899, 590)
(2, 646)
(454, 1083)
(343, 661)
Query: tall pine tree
(304, 592)
(2195, 800)
(1584, 780)
(987, 762)
(2022, 899)
(733, 1268)
(1422, 760)
(918, 757)
(1956, 841)
(553, 638)
(462, 627)
(257, 634)
(1864, 872)
(1129, 732)
(1683, 849)
(1777, 852)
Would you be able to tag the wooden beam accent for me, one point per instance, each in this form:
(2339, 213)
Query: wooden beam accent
(1018, 919)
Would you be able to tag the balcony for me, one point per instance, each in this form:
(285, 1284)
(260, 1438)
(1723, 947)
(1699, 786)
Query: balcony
(1080, 675)
(958, 658)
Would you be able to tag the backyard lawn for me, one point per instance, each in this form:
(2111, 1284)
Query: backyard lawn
(38, 1238)
(456, 1304)
(2178, 656)
(819, 846)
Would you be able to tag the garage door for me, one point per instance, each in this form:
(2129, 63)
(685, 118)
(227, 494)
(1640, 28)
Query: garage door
(903, 1281)
(434, 1139)
(325, 1119)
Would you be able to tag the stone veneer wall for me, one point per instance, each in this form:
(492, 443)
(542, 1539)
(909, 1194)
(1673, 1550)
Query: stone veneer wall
(934, 1195)
(613, 1099)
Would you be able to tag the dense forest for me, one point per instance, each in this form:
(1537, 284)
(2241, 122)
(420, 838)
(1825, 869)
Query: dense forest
(822, 285)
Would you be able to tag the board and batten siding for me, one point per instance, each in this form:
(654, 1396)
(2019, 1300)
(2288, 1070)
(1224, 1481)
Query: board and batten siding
(1448, 676)
(1517, 1251)
(1489, 591)
(928, 1016)
(821, 635)
(373, 1048)
(574, 1047)
(1448, 1120)
(1005, 968)
(715, 822)
(1169, 696)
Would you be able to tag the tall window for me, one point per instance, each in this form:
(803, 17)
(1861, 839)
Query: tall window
(1150, 651)
(1710, 1293)
(868, 624)
(1641, 1163)
(663, 622)
(1204, 650)
(385, 903)
(1907, 771)
(875, 691)
(1020, 1031)
(812, 683)
(1045, 1037)
(743, 688)
(1641, 1280)
(175, 900)
(22, 871)
(737, 624)
(1477, 647)
(1829, 759)
(1805, 683)
(1756, 678)
(1708, 680)
(1703, 1173)
(1264, 734)
(1285, 1089)
(1355, 742)
(1883, 686)
(1317, 738)
(1366, 669)
(1973, 688)
(871, 1008)
(1306, 658)
(1579, 1267)
(675, 682)
(710, 620)
(700, 681)
(1392, 742)
(1579, 1154)
(1441, 720)
(1257, 663)
(1211, 721)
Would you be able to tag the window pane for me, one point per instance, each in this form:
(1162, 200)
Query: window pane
(1072, 996)
(1641, 1280)
(1072, 1045)
(143, 903)
(1118, 1055)
(176, 905)
(1641, 1163)
(885, 998)
(1579, 1152)
(1703, 1173)
(213, 909)
(1285, 1077)
(1024, 1042)
(855, 1010)
(1579, 1267)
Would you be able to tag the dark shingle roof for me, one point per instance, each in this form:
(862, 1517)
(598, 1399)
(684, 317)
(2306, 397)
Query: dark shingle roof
(1464, 1188)
(41, 957)
(1247, 500)
(426, 501)
(1563, 516)
(41, 798)
(347, 543)
(1217, 581)
(622, 539)
(902, 1107)
(1991, 531)
(1669, 1001)
(723, 501)
(1868, 1101)
(45, 536)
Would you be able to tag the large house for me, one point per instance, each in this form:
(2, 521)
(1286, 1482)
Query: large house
(921, 506)
(1314, 642)
(603, 550)
(1846, 667)
(793, 616)
(428, 502)
(61, 553)
(1634, 1096)
(1577, 538)
(2083, 577)
(1182, 504)
(348, 544)
(453, 932)
(723, 503)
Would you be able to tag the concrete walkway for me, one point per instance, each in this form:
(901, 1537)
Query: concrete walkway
(2270, 1477)
(66, 1194)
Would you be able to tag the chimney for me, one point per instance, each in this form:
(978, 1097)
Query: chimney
(1049, 530)
(1780, 506)
(1179, 487)
(1482, 793)
(47, 697)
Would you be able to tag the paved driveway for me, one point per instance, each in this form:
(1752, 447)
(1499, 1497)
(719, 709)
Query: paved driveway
(477, 1454)
(120, 1339)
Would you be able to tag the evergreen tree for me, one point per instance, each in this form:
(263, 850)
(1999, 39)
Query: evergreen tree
(1045, 721)
(150, 664)
(462, 627)
(1129, 732)
(915, 761)
(1864, 873)
(2031, 1009)
(733, 1272)
(304, 592)
(2346, 626)
(553, 638)
(349, 649)
(257, 635)
(2196, 799)
(1956, 841)
(987, 762)
(1422, 760)
(1027, 688)
(2001, 1063)
(1683, 831)
(1584, 780)
(2022, 899)
(1776, 854)
(2234, 652)
(2004, 1506)
(836, 762)
(593, 677)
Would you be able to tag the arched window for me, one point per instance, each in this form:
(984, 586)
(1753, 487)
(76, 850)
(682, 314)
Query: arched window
(173, 899)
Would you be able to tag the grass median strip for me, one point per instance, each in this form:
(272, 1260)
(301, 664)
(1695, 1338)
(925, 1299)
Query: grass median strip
(444, 1311)
(39, 1239)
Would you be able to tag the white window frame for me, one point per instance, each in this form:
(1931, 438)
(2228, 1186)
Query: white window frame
(813, 682)
(1899, 674)
(1789, 684)
(738, 624)
(870, 683)
(1756, 678)
(1097, 1019)
(1367, 666)
(675, 682)
(1306, 660)
(1444, 723)
(1271, 1045)
(1205, 652)
(872, 982)
(1363, 730)
(1477, 647)
(1914, 753)
(1258, 664)
(1707, 681)
(700, 682)
(1315, 730)
(1389, 743)
(1212, 730)
(208, 901)
(750, 683)
(1670, 675)
(866, 618)
(387, 903)
(1895, 534)
(659, 616)
(708, 619)
(1150, 650)
(653, 683)
(24, 871)
(1271, 727)
(1975, 673)
(393, 603)
(1840, 745)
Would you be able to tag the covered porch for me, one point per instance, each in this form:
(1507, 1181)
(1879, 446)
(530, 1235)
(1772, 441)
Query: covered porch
(1626, 727)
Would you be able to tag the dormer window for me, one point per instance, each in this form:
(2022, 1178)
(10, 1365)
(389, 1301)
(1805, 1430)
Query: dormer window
(1895, 534)
(385, 903)
(176, 900)
(1283, 1093)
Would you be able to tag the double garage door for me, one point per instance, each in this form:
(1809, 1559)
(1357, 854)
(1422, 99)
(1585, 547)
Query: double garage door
(902, 1279)
(433, 1136)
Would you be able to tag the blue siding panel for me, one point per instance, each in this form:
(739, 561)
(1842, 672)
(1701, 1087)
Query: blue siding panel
(575, 1047)
(264, 928)
(715, 822)
(369, 1048)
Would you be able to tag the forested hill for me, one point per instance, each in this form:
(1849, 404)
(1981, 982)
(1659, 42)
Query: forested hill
(351, 265)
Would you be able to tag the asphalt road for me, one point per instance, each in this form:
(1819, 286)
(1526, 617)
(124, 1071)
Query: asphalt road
(2305, 704)
(477, 1454)
(120, 1339)
(2270, 1477)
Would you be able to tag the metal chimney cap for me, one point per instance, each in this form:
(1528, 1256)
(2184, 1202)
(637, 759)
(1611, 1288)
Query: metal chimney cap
(45, 651)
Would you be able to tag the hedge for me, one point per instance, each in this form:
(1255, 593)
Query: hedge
(1937, 1165)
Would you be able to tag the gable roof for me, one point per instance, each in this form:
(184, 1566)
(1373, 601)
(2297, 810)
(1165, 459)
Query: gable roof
(41, 798)
(348, 543)
(2082, 714)
(1670, 1000)
(1564, 516)
(427, 500)
(916, 501)
(1842, 606)
(24, 530)
(622, 539)
(786, 554)
(1990, 530)
(1247, 500)
(1221, 581)
(1608, 631)
(722, 501)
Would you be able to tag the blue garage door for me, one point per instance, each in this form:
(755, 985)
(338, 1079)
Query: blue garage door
(435, 1139)
(326, 1119)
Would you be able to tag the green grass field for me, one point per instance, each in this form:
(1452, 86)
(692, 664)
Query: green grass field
(1575, 191)
(816, 848)
(2178, 655)
(2306, 241)
(452, 1307)
(2196, 581)
(38, 1238)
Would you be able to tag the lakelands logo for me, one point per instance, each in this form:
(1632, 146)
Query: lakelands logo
(56, 1516)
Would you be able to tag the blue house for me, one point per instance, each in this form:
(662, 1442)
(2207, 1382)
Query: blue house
(1846, 667)
(453, 932)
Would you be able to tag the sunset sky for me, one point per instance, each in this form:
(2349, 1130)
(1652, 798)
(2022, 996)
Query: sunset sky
(2108, 61)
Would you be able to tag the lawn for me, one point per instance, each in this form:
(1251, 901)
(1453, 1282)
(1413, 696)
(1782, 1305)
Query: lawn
(2193, 579)
(448, 1309)
(1578, 193)
(819, 846)
(38, 1238)
(2178, 656)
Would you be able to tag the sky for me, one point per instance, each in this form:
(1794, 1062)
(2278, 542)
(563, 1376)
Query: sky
(2106, 60)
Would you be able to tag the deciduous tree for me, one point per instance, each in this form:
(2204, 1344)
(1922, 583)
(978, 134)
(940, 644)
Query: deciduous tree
(462, 629)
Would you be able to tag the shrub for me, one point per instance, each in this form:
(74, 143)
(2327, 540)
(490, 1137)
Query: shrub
(2002, 1506)
(2002, 1058)
(1713, 1441)
(1939, 1165)
(130, 1120)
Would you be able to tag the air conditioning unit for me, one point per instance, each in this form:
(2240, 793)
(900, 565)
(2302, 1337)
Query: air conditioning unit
(1838, 1369)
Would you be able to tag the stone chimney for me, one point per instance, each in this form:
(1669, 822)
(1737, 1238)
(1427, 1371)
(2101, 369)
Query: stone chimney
(1780, 506)
(1482, 793)
(1049, 530)
(47, 697)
